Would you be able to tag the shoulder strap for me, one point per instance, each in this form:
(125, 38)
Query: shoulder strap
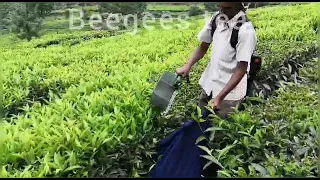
(235, 32)
(213, 24)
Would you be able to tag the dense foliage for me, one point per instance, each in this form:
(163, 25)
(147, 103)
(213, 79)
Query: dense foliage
(211, 6)
(25, 19)
(62, 83)
(195, 10)
(276, 139)
(123, 8)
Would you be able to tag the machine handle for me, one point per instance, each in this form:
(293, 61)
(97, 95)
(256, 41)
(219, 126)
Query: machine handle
(180, 76)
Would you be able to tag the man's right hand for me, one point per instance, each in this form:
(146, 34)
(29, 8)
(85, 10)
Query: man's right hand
(196, 56)
(184, 70)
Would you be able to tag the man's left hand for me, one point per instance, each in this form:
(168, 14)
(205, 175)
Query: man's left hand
(216, 103)
(236, 77)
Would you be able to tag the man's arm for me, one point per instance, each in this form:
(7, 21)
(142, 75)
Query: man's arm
(236, 77)
(205, 40)
(196, 56)
(198, 53)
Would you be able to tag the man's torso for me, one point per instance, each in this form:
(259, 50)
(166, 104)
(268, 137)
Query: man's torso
(223, 63)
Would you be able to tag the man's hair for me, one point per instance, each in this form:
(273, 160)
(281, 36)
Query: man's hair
(240, 6)
(245, 6)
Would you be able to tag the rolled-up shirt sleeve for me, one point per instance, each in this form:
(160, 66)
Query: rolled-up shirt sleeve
(205, 34)
(246, 43)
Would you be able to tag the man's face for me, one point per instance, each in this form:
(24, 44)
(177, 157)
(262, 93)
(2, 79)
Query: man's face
(229, 8)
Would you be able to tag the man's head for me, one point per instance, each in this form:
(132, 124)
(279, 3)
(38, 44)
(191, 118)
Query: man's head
(231, 8)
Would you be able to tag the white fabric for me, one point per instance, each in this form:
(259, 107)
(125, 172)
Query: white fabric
(224, 58)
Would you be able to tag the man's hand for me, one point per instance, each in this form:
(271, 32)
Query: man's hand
(236, 77)
(196, 56)
(184, 70)
(216, 102)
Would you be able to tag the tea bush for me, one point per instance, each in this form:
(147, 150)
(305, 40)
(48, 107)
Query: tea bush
(276, 139)
(69, 103)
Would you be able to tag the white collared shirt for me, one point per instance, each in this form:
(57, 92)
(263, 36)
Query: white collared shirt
(224, 58)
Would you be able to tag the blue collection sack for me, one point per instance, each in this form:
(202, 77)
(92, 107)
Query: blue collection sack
(180, 156)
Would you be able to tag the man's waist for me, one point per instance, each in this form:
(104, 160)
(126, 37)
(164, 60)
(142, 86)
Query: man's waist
(233, 95)
(215, 86)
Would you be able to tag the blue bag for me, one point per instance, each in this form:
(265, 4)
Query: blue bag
(180, 156)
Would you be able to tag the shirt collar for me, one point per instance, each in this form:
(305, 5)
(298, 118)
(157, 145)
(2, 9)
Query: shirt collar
(232, 22)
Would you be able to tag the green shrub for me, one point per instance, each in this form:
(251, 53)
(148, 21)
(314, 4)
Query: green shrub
(211, 6)
(194, 11)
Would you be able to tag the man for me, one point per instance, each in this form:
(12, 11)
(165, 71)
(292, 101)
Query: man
(224, 81)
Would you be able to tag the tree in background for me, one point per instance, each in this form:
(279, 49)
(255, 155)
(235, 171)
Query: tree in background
(195, 10)
(259, 4)
(4, 10)
(123, 8)
(25, 19)
(211, 6)
(41, 9)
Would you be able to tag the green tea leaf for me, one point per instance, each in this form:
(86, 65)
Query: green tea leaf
(257, 99)
(57, 171)
(272, 171)
(246, 141)
(146, 127)
(241, 172)
(213, 159)
(124, 132)
(233, 162)
(68, 137)
(133, 127)
(130, 137)
(72, 168)
(85, 124)
(199, 139)
(196, 119)
(151, 167)
(302, 151)
(212, 135)
(207, 165)
(214, 129)
(312, 131)
(296, 139)
(260, 169)
(199, 112)
(224, 151)
(251, 128)
(72, 158)
(245, 133)
(18, 156)
(289, 68)
(205, 149)
(267, 155)
(267, 86)
(3, 172)
(254, 146)
(224, 173)
(56, 158)
(77, 142)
